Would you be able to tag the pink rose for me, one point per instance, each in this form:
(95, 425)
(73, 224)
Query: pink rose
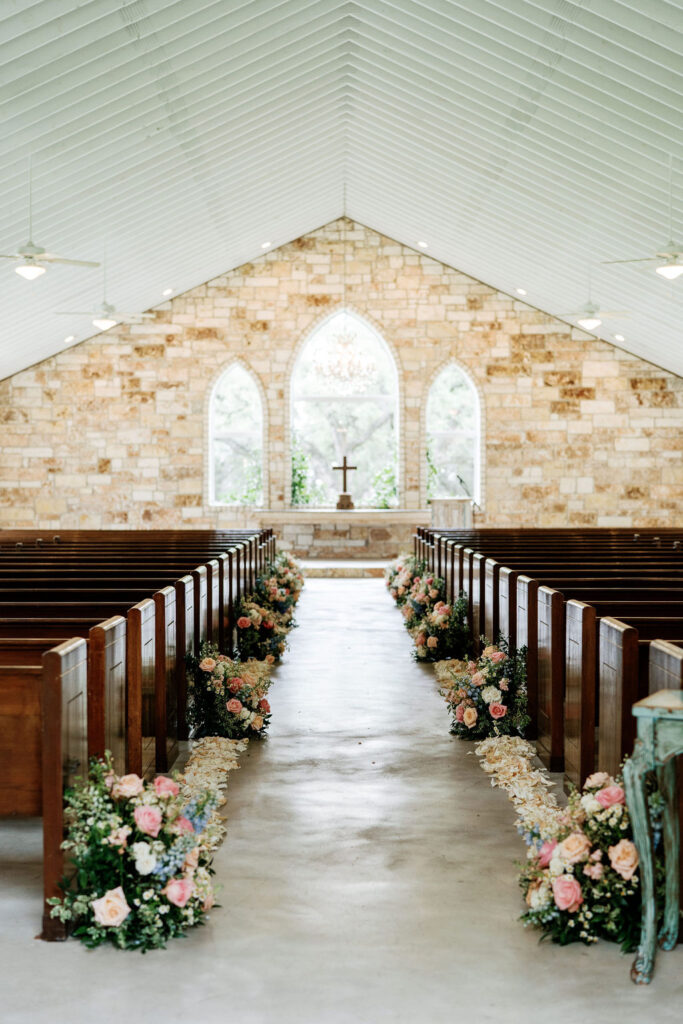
(234, 706)
(610, 795)
(497, 710)
(594, 871)
(127, 786)
(178, 891)
(243, 622)
(148, 819)
(111, 910)
(207, 664)
(165, 787)
(478, 679)
(504, 684)
(498, 656)
(183, 824)
(546, 852)
(597, 779)
(459, 712)
(109, 779)
(420, 639)
(235, 684)
(119, 837)
(432, 642)
(268, 625)
(433, 594)
(263, 705)
(567, 893)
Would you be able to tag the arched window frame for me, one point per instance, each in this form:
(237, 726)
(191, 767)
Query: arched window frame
(208, 434)
(400, 422)
(480, 442)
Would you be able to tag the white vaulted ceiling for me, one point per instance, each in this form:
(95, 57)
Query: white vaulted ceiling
(522, 139)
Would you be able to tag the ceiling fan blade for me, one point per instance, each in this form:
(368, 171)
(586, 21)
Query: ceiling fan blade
(620, 313)
(50, 257)
(6, 256)
(639, 259)
(80, 312)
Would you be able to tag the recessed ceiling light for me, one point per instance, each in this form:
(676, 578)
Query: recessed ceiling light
(167, 291)
(423, 245)
(69, 338)
(266, 245)
(619, 337)
(521, 291)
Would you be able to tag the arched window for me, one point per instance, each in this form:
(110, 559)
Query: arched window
(452, 436)
(344, 392)
(236, 439)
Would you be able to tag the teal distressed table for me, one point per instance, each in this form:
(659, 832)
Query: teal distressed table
(660, 739)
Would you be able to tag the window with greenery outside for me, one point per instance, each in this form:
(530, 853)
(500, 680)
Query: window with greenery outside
(345, 402)
(236, 436)
(452, 436)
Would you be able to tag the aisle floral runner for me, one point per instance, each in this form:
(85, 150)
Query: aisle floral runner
(207, 770)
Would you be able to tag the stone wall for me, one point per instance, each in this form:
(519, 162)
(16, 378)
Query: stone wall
(113, 432)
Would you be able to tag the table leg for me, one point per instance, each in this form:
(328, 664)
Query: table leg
(635, 775)
(666, 778)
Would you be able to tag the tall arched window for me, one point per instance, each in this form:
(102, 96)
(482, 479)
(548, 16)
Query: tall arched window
(344, 392)
(452, 436)
(236, 439)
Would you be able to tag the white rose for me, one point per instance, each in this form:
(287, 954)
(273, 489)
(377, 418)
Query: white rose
(244, 714)
(590, 804)
(491, 695)
(556, 867)
(539, 896)
(145, 859)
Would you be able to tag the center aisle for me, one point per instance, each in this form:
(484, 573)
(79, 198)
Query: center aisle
(373, 874)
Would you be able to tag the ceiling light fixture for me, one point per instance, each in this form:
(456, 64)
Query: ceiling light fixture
(29, 270)
(104, 323)
(619, 337)
(266, 245)
(521, 291)
(167, 291)
(589, 322)
(69, 338)
(671, 269)
(423, 245)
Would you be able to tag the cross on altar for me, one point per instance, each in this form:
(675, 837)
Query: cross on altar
(344, 497)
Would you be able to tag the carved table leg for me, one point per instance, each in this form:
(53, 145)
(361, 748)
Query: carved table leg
(635, 773)
(666, 778)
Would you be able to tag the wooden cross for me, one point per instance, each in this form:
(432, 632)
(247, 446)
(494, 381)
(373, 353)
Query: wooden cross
(344, 468)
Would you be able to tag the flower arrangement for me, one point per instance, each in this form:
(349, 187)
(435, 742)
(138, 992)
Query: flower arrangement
(142, 874)
(288, 575)
(227, 697)
(400, 576)
(424, 594)
(442, 633)
(261, 632)
(581, 883)
(490, 698)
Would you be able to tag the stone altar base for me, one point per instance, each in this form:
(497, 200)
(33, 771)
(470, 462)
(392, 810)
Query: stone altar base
(356, 534)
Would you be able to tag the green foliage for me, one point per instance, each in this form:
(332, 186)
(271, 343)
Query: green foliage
(304, 492)
(385, 488)
(432, 474)
(489, 698)
(215, 681)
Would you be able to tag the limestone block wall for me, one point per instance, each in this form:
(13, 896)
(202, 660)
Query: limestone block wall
(113, 432)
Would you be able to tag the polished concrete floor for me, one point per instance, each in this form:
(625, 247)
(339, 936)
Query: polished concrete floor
(368, 875)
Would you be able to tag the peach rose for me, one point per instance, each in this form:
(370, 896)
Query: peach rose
(478, 679)
(504, 684)
(243, 622)
(165, 787)
(257, 722)
(546, 852)
(597, 779)
(497, 710)
(488, 651)
(207, 664)
(574, 848)
(470, 717)
(433, 594)
(567, 893)
(624, 858)
(471, 667)
(127, 786)
(119, 837)
(148, 819)
(209, 900)
(401, 591)
(111, 910)
(498, 656)
(269, 659)
(420, 639)
(234, 706)
(594, 871)
(191, 859)
(235, 684)
(178, 891)
(459, 712)
(432, 642)
(610, 795)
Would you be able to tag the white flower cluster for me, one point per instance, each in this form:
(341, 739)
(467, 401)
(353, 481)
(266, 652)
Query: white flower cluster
(211, 761)
(509, 762)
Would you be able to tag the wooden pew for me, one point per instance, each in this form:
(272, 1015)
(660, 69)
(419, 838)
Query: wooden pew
(107, 691)
(165, 678)
(551, 653)
(580, 692)
(142, 723)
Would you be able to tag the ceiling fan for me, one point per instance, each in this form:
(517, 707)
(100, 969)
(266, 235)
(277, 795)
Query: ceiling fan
(107, 315)
(30, 257)
(591, 316)
(671, 253)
